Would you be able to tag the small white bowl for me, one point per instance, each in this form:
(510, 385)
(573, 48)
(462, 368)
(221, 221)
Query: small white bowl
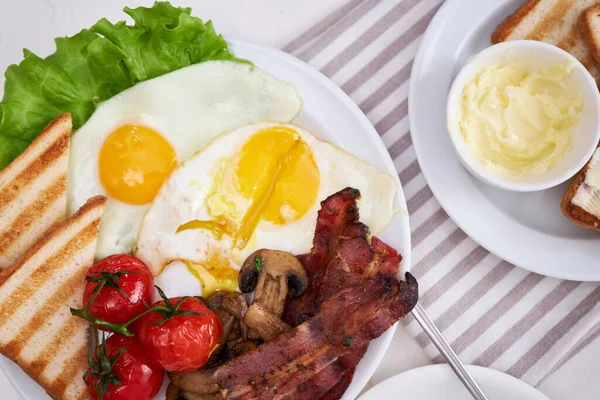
(537, 55)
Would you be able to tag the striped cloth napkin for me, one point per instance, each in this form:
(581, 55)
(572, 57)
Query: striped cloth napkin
(493, 313)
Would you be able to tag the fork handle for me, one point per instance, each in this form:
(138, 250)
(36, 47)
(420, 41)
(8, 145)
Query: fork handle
(445, 350)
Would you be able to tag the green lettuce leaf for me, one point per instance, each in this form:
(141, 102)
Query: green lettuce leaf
(98, 63)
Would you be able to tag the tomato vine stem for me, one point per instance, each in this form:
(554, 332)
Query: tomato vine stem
(110, 279)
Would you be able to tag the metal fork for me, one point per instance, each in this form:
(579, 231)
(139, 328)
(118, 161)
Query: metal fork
(445, 350)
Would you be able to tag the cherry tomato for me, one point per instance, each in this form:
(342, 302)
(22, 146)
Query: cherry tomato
(179, 342)
(140, 379)
(111, 305)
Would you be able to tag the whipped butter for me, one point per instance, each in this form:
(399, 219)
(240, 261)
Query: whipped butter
(588, 193)
(518, 120)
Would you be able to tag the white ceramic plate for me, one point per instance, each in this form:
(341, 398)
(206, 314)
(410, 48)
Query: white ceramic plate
(330, 115)
(526, 229)
(438, 382)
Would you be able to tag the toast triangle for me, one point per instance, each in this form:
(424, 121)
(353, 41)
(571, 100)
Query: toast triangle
(551, 21)
(37, 331)
(573, 212)
(590, 30)
(33, 191)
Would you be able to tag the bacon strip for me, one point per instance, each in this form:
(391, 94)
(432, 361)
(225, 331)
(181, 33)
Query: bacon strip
(385, 260)
(337, 220)
(337, 391)
(281, 366)
(313, 388)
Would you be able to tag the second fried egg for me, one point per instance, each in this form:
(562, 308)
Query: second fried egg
(257, 187)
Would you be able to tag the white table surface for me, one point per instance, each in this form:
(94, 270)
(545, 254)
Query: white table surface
(576, 379)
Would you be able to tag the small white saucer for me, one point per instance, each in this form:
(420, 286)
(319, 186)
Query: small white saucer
(438, 382)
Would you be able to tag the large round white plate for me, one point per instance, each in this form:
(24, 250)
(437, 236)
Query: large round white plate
(526, 229)
(332, 116)
(438, 382)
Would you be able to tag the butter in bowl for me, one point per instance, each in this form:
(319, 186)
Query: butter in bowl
(524, 115)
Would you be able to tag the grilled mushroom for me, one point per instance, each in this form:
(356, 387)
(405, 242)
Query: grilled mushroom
(242, 348)
(272, 275)
(195, 396)
(232, 303)
(230, 308)
(172, 392)
(267, 325)
(199, 382)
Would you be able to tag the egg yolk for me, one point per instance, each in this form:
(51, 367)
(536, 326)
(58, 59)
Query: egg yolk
(276, 170)
(214, 274)
(133, 163)
(217, 228)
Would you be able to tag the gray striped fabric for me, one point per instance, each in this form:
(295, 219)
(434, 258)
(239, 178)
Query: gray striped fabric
(494, 314)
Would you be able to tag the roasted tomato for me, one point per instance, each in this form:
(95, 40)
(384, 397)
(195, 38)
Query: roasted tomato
(131, 376)
(128, 283)
(181, 335)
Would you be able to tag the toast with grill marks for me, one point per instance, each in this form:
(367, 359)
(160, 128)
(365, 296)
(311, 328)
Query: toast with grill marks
(37, 330)
(589, 24)
(572, 211)
(33, 191)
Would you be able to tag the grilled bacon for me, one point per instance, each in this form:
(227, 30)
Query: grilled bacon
(337, 220)
(345, 321)
(385, 261)
(340, 387)
(352, 298)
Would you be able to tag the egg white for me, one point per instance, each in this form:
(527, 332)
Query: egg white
(188, 107)
(175, 281)
(183, 197)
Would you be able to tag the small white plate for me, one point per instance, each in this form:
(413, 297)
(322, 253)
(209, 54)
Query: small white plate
(438, 382)
(526, 229)
(330, 114)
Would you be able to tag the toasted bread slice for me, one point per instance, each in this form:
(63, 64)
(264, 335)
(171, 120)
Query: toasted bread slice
(589, 24)
(573, 212)
(551, 21)
(33, 191)
(37, 330)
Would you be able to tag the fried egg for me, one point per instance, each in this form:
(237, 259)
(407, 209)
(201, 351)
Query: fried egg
(257, 187)
(134, 140)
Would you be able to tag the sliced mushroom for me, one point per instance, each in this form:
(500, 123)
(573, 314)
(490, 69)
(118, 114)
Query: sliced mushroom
(252, 334)
(271, 292)
(196, 396)
(228, 322)
(266, 324)
(242, 347)
(215, 299)
(230, 308)
(172, 392)
(233, 303)
(200, 381)
(274, 263)
(272, 274)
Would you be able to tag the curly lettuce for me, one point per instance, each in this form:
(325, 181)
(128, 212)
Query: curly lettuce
(98, 63)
